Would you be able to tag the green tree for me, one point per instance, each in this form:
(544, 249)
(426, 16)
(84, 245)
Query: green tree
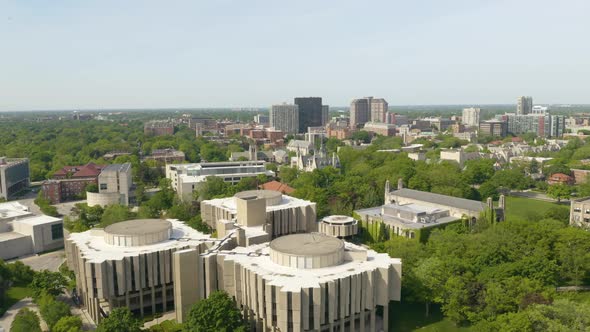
(26, 320)
(20, 273)
(51, 310)
(92, 188)
(113, 214)
(362, 136)
(68, 324)
(218, 312)
(52, 283)
(559, 191)
(119, 320)
(573, 254)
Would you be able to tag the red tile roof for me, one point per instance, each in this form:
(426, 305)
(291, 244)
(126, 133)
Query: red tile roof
(88, 170)
(277, 186)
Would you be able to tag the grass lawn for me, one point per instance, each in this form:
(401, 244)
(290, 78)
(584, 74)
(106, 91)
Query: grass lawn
(406, 317)
(13, 295)
(522, 208)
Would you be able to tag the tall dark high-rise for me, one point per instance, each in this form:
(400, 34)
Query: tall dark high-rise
(310, 112)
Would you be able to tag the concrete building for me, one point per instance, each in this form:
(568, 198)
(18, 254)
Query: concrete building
(543, 125)
(360, 112)
(580, 212)
(285, 118)
(379, 108)
(129, 264)
(470, 116)
(22, 233)
(185, 178)
(114, 186)
(380, 128)
(158, 128)
(407, 212)
(493, 128)
(299, 282)
(524, 105)
(14, 176)
(252, 155)
(338, 226)
(266, 214)
(261, 119)
(310, 112)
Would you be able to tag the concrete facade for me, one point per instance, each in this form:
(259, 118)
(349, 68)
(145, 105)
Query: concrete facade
(285, 118)
(129, 264)
(470, 116)
(338, 226)
(114, 186)
(580, 212)
(272, 212)
(23, 233)
(300, 282)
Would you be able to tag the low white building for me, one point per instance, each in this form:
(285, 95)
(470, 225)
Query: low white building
(22, 233)
(185, 178)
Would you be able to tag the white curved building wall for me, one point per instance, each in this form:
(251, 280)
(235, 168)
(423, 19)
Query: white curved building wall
(103, 199)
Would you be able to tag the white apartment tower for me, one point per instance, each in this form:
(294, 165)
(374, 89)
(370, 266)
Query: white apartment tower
(285, 118)
(471, 116)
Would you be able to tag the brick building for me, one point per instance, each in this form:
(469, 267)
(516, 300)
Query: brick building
(70, 182)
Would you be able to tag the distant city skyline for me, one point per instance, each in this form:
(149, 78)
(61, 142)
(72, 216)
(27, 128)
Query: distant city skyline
(228, 54)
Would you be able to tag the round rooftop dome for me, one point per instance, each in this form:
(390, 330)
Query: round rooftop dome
(140, 232)
(339, 220)
(307, 251)
(272, 197)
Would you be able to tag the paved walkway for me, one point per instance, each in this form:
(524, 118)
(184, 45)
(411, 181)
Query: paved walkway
(8, 317)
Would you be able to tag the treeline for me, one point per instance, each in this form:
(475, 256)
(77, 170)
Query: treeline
(495, 275)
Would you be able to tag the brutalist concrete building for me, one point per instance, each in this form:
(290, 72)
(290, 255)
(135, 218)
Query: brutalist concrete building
(267, 210)
(298, 282)
(129, 264)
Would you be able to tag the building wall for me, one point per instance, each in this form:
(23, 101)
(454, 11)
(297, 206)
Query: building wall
(14, 177)
(142, 283)
(17, 247)
(285, 118)
(580, 213)
(310, 112)
(379, 108)
(344, 301)
(103, 199)
(41, 235)
(359, 112)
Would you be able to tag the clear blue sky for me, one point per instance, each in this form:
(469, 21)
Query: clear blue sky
(134, 54)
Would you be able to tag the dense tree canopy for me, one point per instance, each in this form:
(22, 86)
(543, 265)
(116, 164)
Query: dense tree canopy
(218, 312)
(119, 320)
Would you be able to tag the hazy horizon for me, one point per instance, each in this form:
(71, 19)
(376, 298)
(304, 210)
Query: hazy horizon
(104, 55)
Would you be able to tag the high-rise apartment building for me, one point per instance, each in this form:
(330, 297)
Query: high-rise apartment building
(310, 112)
(471, 116)
(285, 118)
(368, 109)
(325, 114)
(360, 111)
(524, 105)
(378, 109)
(493, 128)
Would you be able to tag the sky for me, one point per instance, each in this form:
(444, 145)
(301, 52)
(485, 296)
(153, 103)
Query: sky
(248, 53)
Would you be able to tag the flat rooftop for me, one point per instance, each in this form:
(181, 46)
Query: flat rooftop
(138, 227)
(256, 258)
(11, 236)
(12, 210)
(404, 223)
(39, 220)
(306, 244)
(286, 202)
(92, 244)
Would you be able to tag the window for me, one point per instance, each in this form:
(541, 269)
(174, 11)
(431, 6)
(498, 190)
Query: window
(577, 209)
(103, 186)
(57, 232)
